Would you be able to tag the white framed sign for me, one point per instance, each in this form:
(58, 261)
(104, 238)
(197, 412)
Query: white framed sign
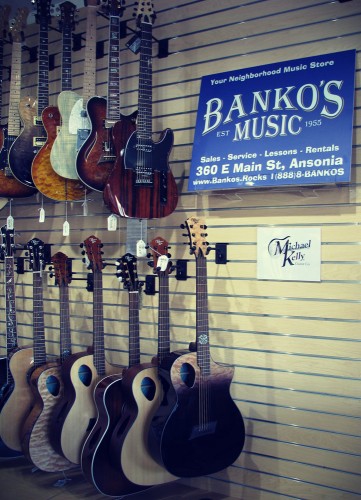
(291, 254)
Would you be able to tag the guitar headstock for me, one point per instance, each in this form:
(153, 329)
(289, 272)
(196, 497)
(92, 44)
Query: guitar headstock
(62, 269)
(127, 272)
(18, 25)
(114, 8)
(4, 20)
(93, 253)
(43, 11)
(7, 242)
(161, 263)
(67, 19)
(197, 242)
(36, 250)
(144, 12)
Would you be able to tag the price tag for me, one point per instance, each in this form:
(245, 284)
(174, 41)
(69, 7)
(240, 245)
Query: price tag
(66, 228)
(141, 249)
(162, 263)
(10, 222)
(41, 215)
(112, 223)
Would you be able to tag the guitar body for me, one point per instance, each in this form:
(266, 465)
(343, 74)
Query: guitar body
(143, 394)
(23, 149)
(94, 161)
(47, 388)
(9, 186)
(17, 399)
(64, 150)
(48, 182)
(190, 439)
(126, 198)
(79, 414)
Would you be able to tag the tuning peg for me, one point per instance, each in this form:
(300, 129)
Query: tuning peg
(182, 226)
(151, 264)
(81, 245)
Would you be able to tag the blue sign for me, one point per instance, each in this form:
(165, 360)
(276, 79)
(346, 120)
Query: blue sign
(281, 124)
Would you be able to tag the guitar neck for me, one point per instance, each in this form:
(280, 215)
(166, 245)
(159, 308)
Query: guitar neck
(1, 72)
(65, 338)
(98, 323)
(38, 320)
(11, 324)
(163, 318)
(15, 89)
(89, 55)
(134, 343)
(66, 76)
(113, 109)
(43, 76)
(202, 327)
(144, 119)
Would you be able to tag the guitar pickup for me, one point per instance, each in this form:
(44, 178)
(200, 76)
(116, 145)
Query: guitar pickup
(39, 141)
(38, 121)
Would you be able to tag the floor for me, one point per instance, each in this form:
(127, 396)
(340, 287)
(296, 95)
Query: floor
(19, 481)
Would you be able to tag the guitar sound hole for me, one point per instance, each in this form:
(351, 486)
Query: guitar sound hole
(53, 385)
(148, 388)
(85, 375)
(187, 374)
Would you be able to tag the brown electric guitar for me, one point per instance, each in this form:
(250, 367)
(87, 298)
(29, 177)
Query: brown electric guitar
(141, 184)
(9, 186)
(45, 380)
(76, 413)
(16, 397)
(48, 182)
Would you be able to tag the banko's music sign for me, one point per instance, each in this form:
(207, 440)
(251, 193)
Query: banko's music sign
(288, 123)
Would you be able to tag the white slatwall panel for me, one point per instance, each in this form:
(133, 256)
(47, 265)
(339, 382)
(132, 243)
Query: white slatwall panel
(295, 346)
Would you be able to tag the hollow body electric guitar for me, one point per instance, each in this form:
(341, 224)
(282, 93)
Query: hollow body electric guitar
(32, 136)
(198, 429)
(141, 185)
(76, 412)
(45, 381)
(16, 395)
(9, 186)
(75, 125)
(48, 182)
(96, 157)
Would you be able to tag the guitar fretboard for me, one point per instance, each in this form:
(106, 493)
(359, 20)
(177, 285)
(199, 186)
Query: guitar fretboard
(134, 343)
(38, 320)
(163, 317)
(202, 327)
(65, 338)
(98, 324)
(66, 79)
(144, 120)
(113, 109)
(89, 55)
(15, 88)
(43, 79)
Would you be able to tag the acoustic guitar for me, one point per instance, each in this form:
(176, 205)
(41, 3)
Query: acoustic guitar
(9, 186)
(32, 136)
(45, 380)
(16, 394)
(198, 429)
(141, 184)
(76, 413)
(75, 125)
(48, 182)
(96, 157)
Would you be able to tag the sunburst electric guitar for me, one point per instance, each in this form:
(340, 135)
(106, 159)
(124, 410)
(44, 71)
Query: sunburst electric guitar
(198, 429)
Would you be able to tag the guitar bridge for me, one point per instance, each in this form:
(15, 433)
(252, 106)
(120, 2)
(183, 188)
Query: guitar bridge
(203, 430)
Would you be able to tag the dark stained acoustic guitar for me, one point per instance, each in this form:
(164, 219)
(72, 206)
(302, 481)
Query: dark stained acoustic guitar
(32, 136)
(48, 182)
(76, 412)
(96, 157)
(11, 417)
(16, 395)
(44, 378)
(141, 185)
(198, 429)
(9, 186)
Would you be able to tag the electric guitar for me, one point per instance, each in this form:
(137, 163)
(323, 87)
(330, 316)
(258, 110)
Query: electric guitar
(16, 397)
(45, 380)
(48, 182)
(76, 413)
(96, 157)
(9, 186)
(198, 429)
(32, 136)
(75, 125)
(141, 184)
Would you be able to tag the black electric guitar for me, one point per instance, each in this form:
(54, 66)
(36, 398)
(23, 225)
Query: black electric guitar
(141, 184)
(9, 186)
(203, 430)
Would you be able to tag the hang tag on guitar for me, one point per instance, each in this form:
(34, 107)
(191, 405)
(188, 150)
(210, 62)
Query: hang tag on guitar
(41, 215)
(162, 262)
(112, 223)
(10, 222)
(141, 250)
(66, 228)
